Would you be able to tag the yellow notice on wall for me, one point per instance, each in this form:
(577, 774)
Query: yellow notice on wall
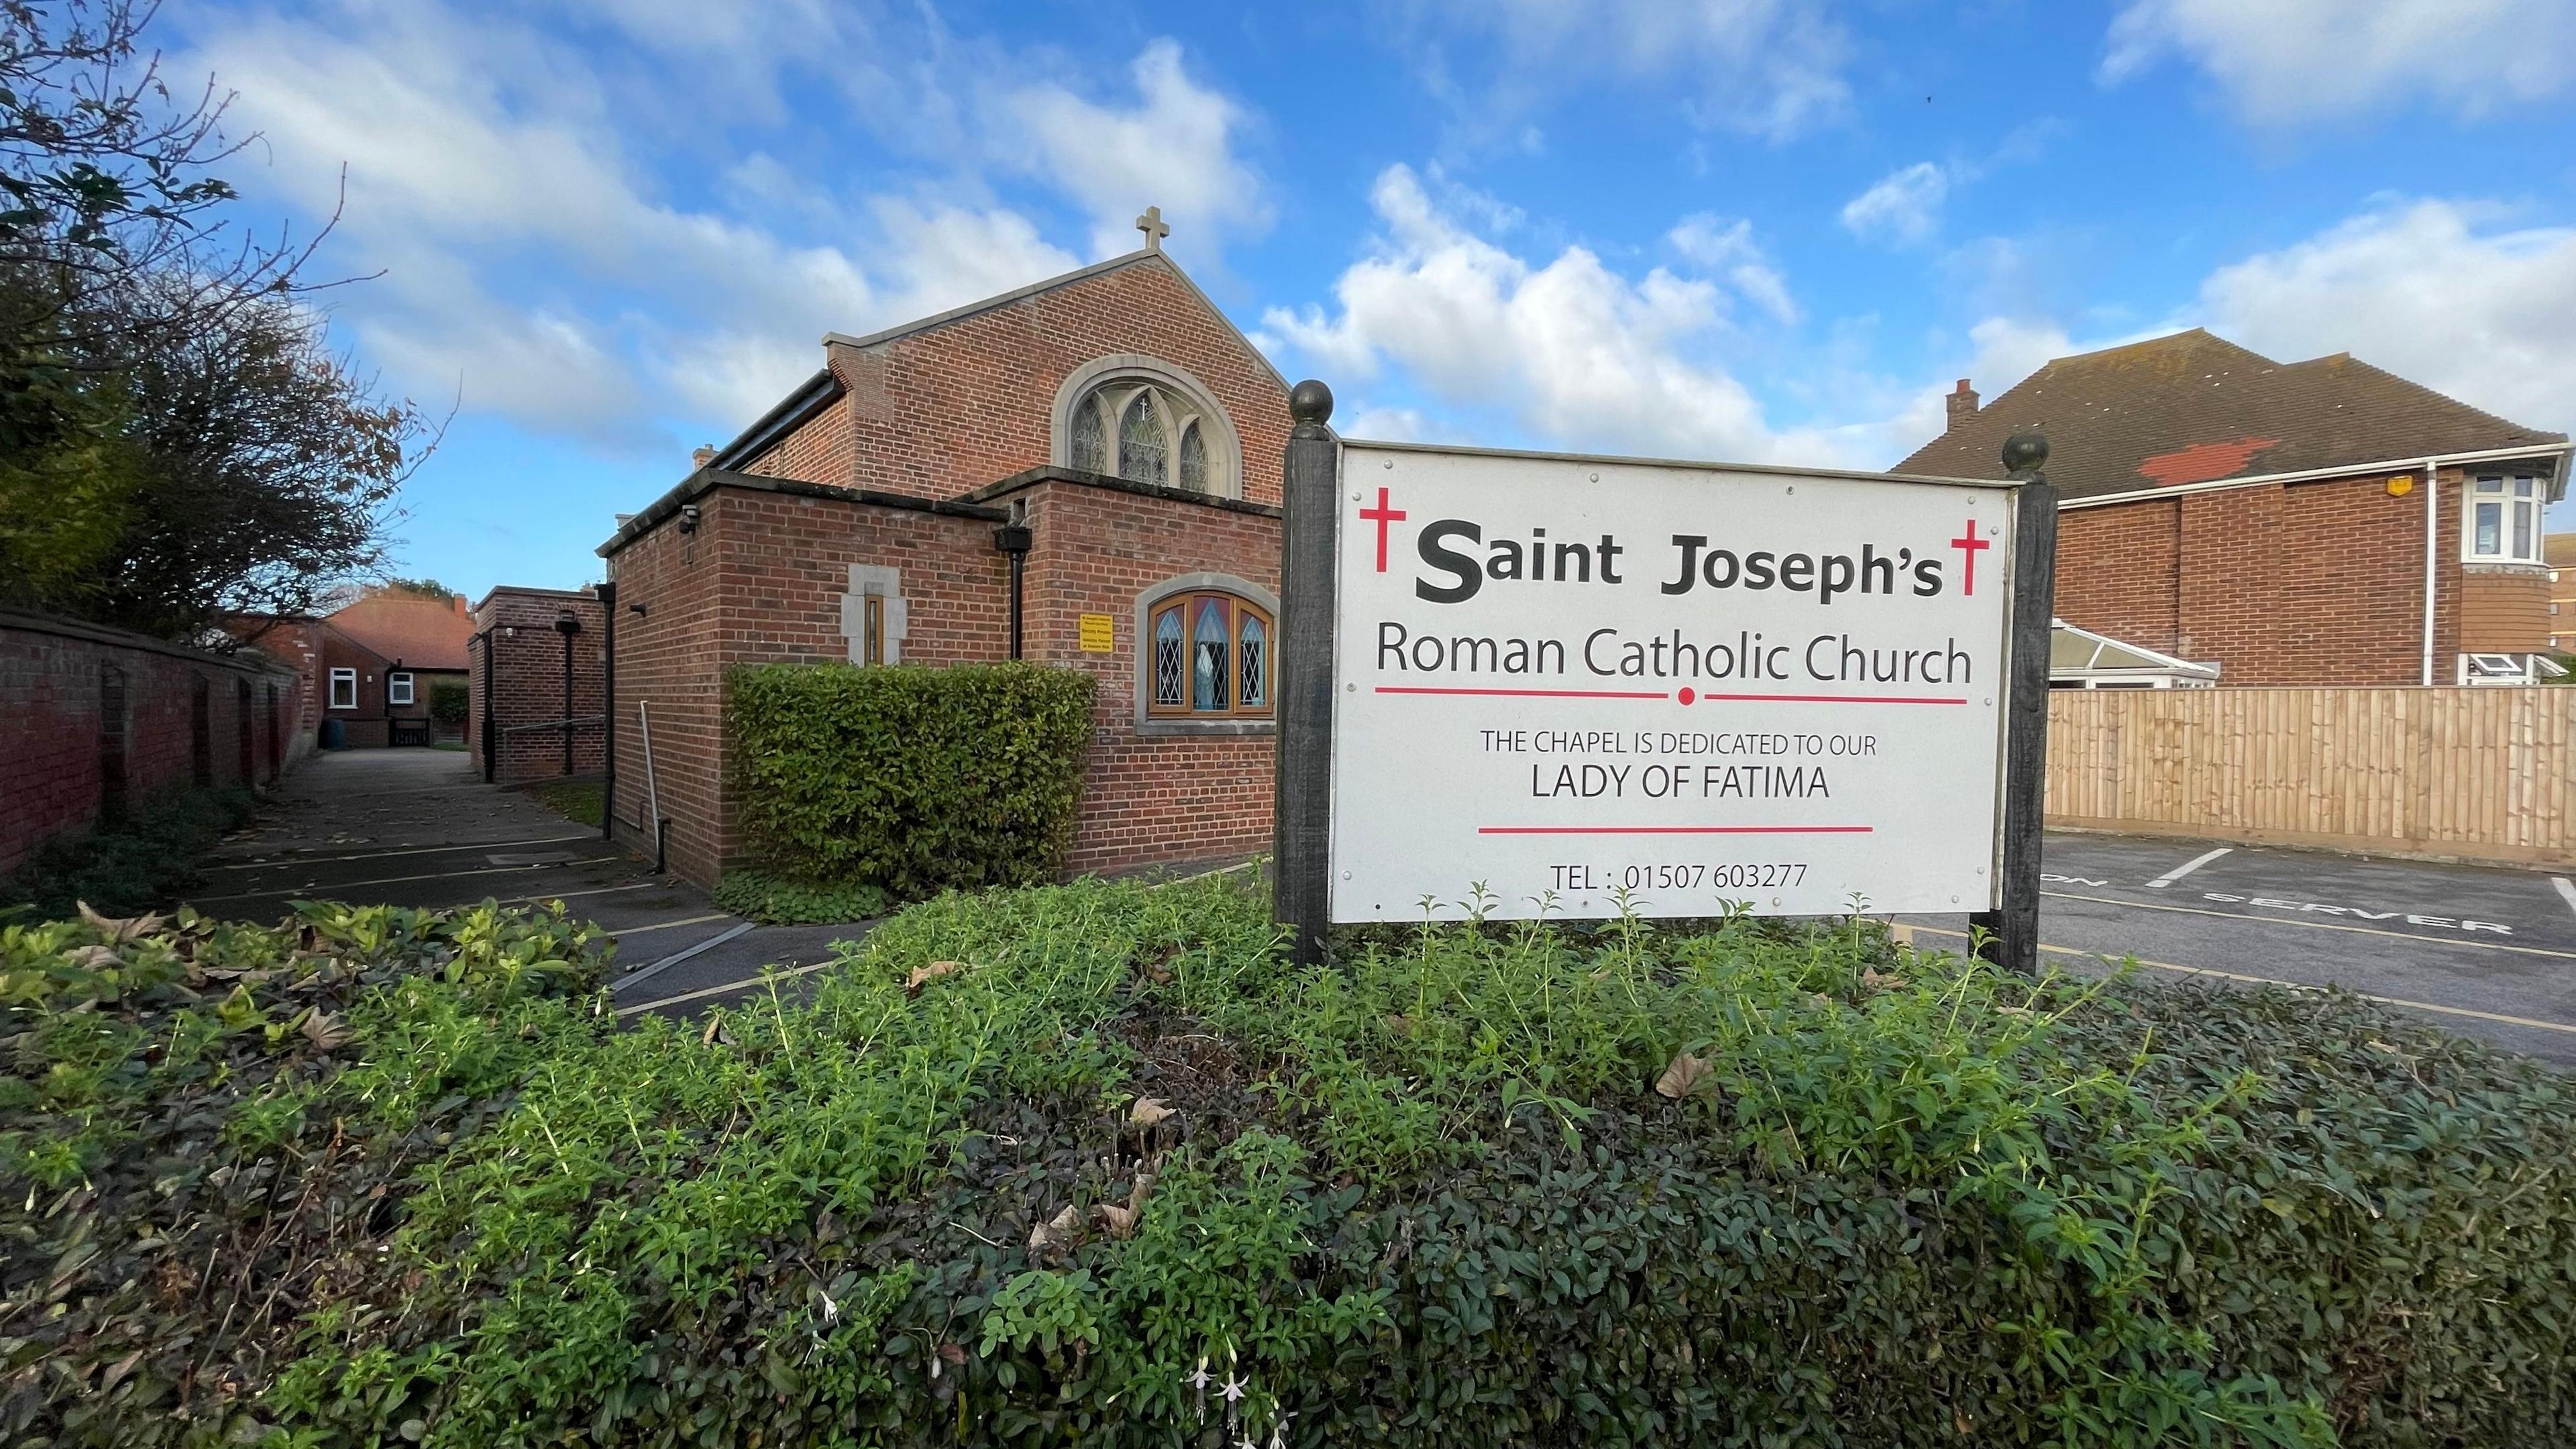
(1099, 634)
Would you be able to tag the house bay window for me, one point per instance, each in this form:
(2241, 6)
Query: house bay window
(2504, 523)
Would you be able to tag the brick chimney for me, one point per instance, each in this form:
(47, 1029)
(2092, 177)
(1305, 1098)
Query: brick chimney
(1963, 404)
(706, 452)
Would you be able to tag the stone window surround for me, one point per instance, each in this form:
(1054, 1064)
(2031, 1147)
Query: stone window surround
(1216, 428)
(1166, 726)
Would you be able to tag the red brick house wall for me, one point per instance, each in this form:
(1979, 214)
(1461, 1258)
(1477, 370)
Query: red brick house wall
(2317, 583)
(515, 634)
(95, 720)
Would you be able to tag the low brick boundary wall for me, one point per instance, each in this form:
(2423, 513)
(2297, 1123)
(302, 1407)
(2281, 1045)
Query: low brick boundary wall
(94, 720)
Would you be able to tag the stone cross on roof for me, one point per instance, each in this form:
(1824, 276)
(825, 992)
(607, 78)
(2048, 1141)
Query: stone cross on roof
(1151, 224)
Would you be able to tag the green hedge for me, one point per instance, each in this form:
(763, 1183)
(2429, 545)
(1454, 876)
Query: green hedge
(1435, 1195)
(909, 779)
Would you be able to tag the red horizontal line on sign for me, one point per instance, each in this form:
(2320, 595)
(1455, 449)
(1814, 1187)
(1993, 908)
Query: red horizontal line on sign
(1675, 829)
(1531, 693)
(1835, 698)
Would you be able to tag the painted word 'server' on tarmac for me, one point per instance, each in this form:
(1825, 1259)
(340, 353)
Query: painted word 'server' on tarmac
(1579, 681)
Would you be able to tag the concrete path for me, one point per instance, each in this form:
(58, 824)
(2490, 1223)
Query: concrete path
(2485, 951)
(413, 827)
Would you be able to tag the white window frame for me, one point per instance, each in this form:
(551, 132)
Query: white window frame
(348, 677)
(2521, 503)
(398, 687)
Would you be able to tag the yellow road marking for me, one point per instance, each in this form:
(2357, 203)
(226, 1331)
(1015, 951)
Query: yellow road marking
(1911, 931)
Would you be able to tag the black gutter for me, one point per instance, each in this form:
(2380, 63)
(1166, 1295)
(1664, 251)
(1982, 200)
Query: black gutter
(1031, 477)
(607, 593)
(792, 412)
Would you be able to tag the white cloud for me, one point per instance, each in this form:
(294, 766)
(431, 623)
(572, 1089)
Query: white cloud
(1570, 352)
(1771, 68)
(2286, 61)
(1728, 248)
(2483, 313)
(1902, 208)
(1174, 149)
(530, 254)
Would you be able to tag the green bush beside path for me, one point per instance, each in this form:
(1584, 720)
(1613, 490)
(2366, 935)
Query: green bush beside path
(1028, 1160)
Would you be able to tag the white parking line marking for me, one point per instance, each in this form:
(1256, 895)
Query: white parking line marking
(2273, 981)
(676, 957)
(2320, 926)
(333, 888)
(2566, 890)
(284, 861)
(2186, 868)
(668, 925)
(719, 989)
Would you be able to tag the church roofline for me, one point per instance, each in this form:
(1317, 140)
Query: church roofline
(708, 479)
(816, 393)
(1031, 477)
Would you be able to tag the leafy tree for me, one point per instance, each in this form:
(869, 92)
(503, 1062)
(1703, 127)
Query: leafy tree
(177, 439)
(426, 588)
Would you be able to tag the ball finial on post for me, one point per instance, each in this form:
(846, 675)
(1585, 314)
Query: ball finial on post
(1310, 402)
(2025, 452)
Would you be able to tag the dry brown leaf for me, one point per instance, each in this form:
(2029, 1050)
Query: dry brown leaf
(1876, 982)
(1118, 1222)
(118, 932)
(1058, 1231)
(1159, 970)
(714, 1035)
(1148, 1111)
(1682, 1077)
(923, 975)
(96, 958)
(1136, 1195)
(2014, 1010)
(1399, 1023)
(324, 1030)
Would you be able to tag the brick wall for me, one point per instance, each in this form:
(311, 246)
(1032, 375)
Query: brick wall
(515, 631)
(942, 412)
(1158, 798)
(2282, 584)
(95, 720)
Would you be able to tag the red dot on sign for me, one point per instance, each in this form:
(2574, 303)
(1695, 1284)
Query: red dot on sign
(1687, 694)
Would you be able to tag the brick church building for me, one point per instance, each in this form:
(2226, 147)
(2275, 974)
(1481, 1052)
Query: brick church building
(1084, 472)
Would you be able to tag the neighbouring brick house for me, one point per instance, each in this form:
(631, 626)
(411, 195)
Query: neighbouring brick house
(1107, 433)
(2309, 523)
(538, 671)
(372, 664)
(2560, 551)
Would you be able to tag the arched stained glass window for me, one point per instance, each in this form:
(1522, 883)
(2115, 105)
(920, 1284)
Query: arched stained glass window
(1252, 660)
(1143, 449)
(1211, 657)
(1210, 681)
(1151, 426)
(1090, 442)
(1169, 665)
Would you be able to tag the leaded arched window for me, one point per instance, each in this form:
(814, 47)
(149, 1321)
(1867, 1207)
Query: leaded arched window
(1146, 430)
(1211, 657)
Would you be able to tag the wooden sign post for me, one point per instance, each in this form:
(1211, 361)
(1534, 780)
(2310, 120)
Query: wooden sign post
(2012, 930)
(1527, 685)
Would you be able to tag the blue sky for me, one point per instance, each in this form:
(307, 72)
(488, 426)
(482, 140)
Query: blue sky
(1764, 230)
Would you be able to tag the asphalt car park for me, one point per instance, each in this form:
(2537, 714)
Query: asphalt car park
(420, 828)
(2488, 951)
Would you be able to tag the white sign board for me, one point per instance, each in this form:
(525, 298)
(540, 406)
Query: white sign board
(1573, 681)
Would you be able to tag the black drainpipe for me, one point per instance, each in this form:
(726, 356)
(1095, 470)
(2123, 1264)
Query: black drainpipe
(491, 742)
(1014, 538)
(608, 709)
(567, 624)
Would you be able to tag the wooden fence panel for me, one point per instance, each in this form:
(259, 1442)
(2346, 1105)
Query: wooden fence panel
(2470, 773)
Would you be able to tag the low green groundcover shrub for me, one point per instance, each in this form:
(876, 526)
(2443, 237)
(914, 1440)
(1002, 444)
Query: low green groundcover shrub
(1093, 1165)
(138, 865)
(772, 901)
(910, 779)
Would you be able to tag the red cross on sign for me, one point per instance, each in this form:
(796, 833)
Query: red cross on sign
(1968, 544)
(1382, 516)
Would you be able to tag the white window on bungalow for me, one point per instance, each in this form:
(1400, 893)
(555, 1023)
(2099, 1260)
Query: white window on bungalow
(398, 688)
(344, 689)
(2504, 520)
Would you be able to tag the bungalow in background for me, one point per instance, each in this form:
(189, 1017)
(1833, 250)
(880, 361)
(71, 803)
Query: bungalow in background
(2307, 523)
(374, 665)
